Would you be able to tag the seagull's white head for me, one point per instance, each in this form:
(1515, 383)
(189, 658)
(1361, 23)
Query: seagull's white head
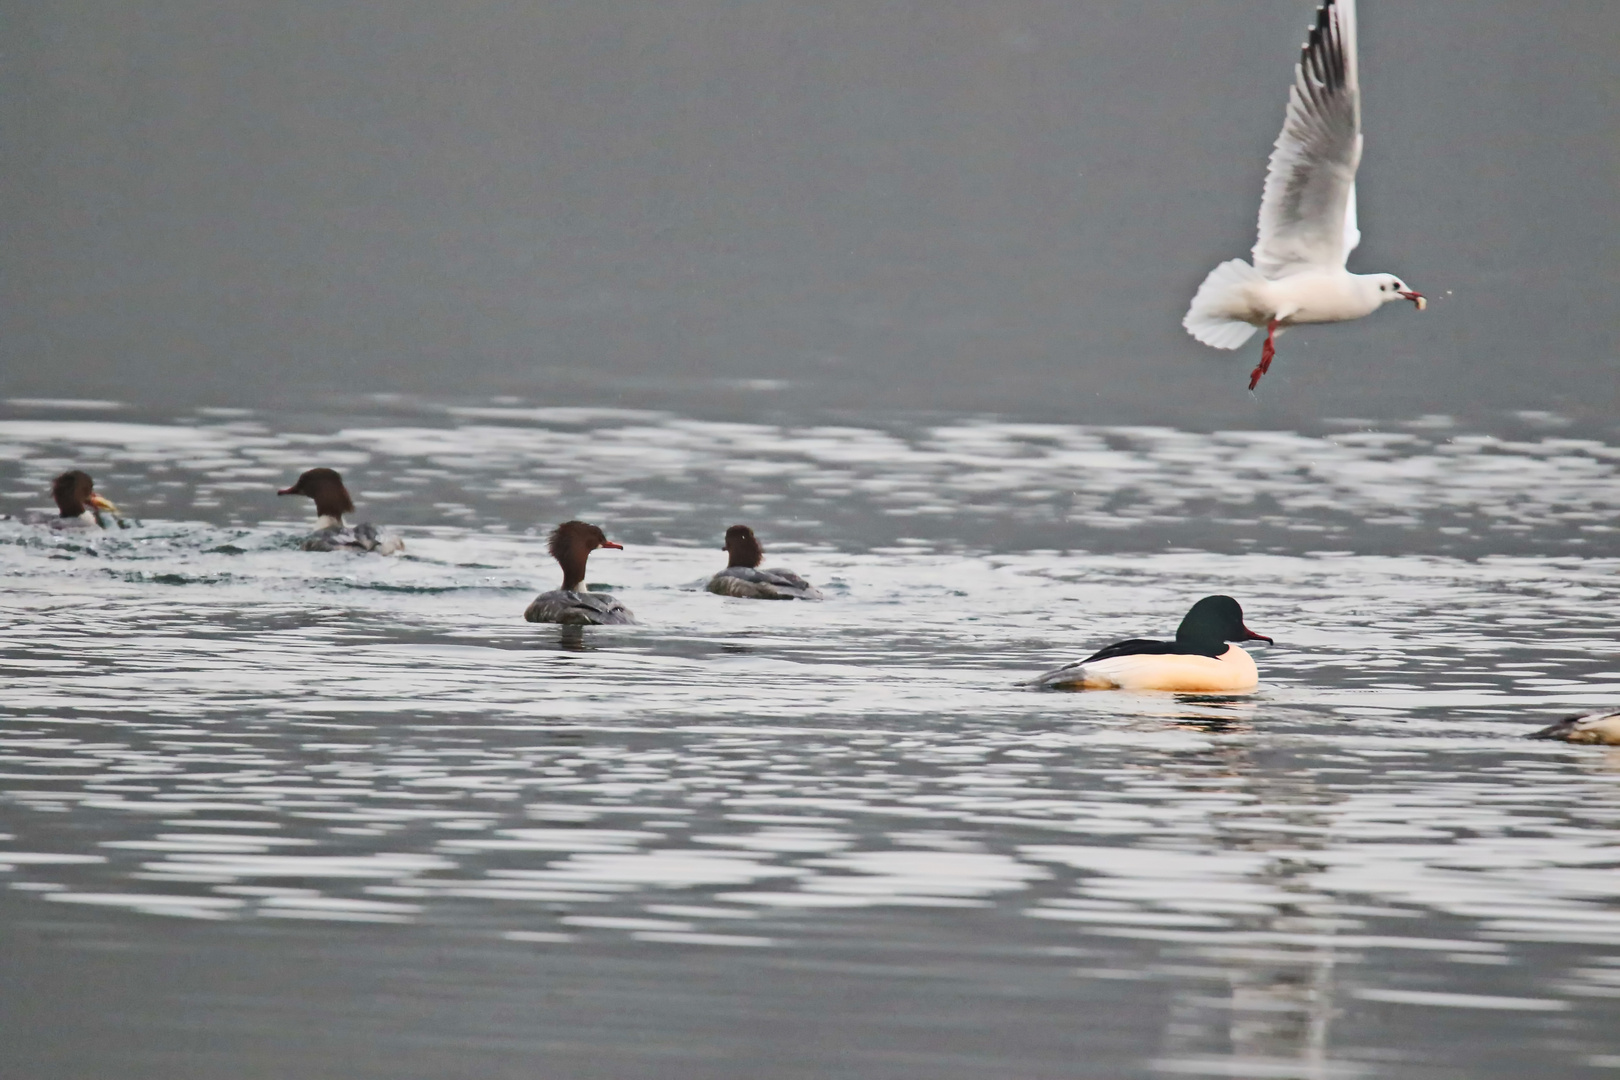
(1391, 287)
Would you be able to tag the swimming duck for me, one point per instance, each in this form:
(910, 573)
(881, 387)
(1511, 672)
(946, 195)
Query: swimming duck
(1198, 661)
(744, 578)
(78, 505)
(571, 544)
(1602, 728)
(332, 501)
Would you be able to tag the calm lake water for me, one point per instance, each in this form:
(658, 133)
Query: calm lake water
(273, 813)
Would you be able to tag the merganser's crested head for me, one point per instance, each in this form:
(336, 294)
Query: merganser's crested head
(75, 492)
(743, 547)
(1390, 288)
(571, 544)
(1215, 620)
(325, 486)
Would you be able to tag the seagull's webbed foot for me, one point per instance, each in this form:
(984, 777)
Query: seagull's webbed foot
(1267, 352)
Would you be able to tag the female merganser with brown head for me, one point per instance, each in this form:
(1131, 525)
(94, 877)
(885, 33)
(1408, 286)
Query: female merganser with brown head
(332, 501)
(744, 578)
(1600, 728)
(1198, 661)
(77, 502)
(571, 544)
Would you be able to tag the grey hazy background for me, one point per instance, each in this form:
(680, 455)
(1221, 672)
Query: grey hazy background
(996, 204)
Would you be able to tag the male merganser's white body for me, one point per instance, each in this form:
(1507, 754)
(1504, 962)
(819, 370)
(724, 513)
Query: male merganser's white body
(1307, 212)
(1198, 661)
(744, 578)
(332, 501)
(1233, 670)
(1600, 728)
(571, 544)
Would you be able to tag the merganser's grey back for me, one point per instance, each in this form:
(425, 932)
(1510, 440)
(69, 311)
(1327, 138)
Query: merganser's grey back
(362, 537)
(752, 583)
(578, 608)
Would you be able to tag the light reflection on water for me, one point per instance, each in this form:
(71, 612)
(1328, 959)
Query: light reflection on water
(1427, 487)
(201, 722)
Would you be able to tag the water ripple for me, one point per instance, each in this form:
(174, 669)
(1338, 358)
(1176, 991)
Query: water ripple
(202, 722)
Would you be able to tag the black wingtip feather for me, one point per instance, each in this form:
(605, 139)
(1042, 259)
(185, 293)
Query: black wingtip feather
(1322, 60)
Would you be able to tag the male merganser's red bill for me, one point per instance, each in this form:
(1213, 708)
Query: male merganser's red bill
(744, 578)
(1198, 661)
(332, 501)
(1602, 729)
(571, 544)
(77, 503)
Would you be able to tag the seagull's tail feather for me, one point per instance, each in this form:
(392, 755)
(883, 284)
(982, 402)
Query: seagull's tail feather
(1215, 315)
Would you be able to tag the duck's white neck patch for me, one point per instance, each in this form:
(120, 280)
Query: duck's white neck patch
(327, 521)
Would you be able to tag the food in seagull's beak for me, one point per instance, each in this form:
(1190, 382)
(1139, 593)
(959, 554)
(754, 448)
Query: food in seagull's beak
(1419, 301)
(102, 504)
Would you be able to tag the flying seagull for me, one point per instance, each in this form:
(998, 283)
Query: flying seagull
(1307, 212)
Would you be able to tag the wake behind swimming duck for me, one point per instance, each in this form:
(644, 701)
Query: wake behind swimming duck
(744, 578)
(571, 544)
(332, 501)
(1198, 661)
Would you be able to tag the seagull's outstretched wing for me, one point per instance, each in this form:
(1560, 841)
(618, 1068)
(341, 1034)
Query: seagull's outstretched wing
(1308, 211)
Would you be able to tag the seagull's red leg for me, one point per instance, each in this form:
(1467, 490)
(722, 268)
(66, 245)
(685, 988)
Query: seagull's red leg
(1267, 351)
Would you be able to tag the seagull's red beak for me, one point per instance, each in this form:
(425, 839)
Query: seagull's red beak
(1419, 301)
(611, 544)
(1250, 635)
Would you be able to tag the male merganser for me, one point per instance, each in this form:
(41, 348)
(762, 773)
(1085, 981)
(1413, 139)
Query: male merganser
(1198, 661)
(1601, 728)
(332, 501)
(744, 578)
(77, 502)
(571, 544)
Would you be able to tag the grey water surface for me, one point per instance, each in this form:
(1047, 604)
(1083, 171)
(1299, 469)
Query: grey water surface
(280, 813)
